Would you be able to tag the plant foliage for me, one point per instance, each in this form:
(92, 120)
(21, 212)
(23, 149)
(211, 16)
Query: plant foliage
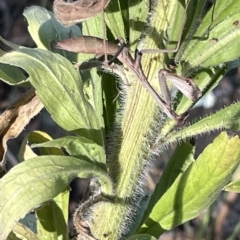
(116, 142)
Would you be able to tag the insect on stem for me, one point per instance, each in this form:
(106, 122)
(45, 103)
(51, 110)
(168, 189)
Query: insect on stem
(162, 103)
(186, 85)
(87, 44)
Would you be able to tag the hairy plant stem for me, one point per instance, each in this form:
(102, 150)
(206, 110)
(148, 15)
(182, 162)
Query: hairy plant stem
(131, 148)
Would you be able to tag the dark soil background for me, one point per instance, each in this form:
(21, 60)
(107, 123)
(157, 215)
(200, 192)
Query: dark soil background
(225, 212)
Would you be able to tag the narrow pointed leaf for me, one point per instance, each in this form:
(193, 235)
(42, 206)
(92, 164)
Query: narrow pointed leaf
(227, 118)
(196, 188)
(233, 187)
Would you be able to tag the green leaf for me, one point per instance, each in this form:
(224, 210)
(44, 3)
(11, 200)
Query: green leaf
(206, 80)
(219, 28)
(52, 218)
(21, 232)
(60, 88)
(163, 31)
(111, 96)
(137, 15)
(194, 12)
(114, 19)
(94, 26)
(26, 152)
(181, 159)
(44, 28)
(93, 90)
(141, 237)
(227, 118)
(196, 188)
(233, 187)
(77, 147)
(11, 75)
(39, 180)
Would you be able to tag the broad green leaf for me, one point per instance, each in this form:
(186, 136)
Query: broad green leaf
(141, 237)
(219, 28)
(44, 28)
(94, 26)
(181, 159)
(11, 75)
(114, 19)
(52, 218)
(35, 137)
(137, 14)
(60, 88)
(77, 147)
(196, 188)
(21, 232)
(39, 180)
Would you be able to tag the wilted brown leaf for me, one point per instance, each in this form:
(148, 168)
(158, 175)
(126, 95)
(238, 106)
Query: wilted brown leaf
(72, 12)
(15, 118)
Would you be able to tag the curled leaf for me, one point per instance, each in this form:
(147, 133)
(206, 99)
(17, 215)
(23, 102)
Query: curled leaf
(16, 117)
